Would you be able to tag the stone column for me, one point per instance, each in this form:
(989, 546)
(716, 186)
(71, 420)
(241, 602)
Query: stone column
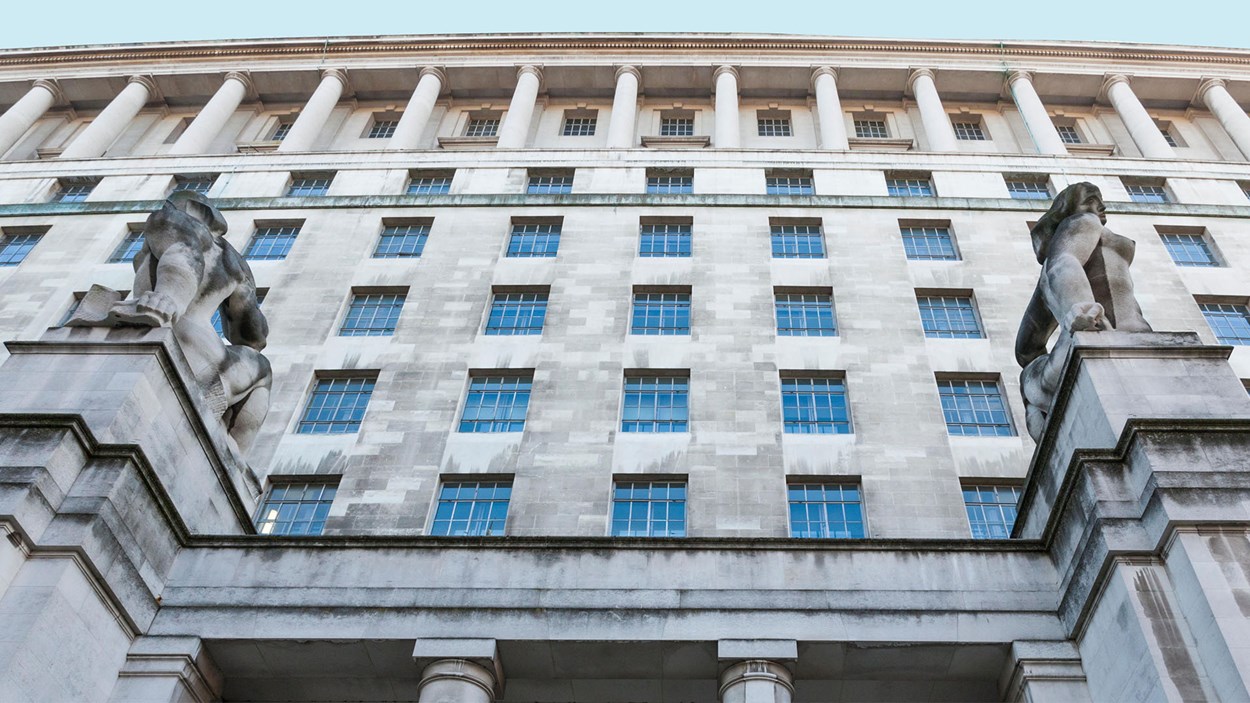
(1043, 131)
(937, 124)
(417, 113)
(316, 111)
(1141, 127)
(829, 109)
(515, 130)
(1215, 95)
(112, 121)
(456, 681)
(623, 126)
(726, 86)
(26, 111)
(756, 681)
(213, 117)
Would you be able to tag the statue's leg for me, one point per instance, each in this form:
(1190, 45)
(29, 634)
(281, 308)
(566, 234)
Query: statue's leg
(246, 376)
(1064, 280)
(249, 415)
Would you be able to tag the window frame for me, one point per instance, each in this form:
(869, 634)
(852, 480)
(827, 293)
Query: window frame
(525, 376)
(842, 483)
(132, 239)
(1205, 302)
(994, 380)
(825, 292)
(258, 226)
(912, 181)
(950, 294)
(29, 237)
(680, 413)
(685, 231)
(980, 485)
(440, 181)
(497, 481)
(669, 305)
(364, 295)
(353, 425)
(308, 184)
(421, 238)
(809, 416)
(546, 235)
(779, 227)
(914, 253)
(542, 295)
(652, 482)
(285, 481)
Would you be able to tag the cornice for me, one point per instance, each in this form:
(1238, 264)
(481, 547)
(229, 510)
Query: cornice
(444, 45)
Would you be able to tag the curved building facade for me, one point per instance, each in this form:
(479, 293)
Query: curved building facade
(631, 368)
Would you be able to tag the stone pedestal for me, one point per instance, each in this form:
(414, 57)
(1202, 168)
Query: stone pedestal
(109, 464)
(1140, 489)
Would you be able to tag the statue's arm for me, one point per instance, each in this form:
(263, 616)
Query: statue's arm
(242, 320)
(1036, 327)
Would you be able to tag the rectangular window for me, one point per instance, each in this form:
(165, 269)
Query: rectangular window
(309, 185)
(805, 315)
(372, 315)
(773, 123)
(1028, 188)
(788, 183)
(549, 183)
(128, 249)
(664, 181)
(337, 405)
(579, 124)
(472, 509)
(949, 317)
(797, 241)
(400, 241)
(429, 182)
(295, 508)
(649, 509)
(73, 191)
(656, 404)
(665, 239)
(871, 129)
(1188, 249)
(1166, 130)
(482, 127)
(676, 126)
(967, 130)
(534, 240)
(974, 408)
(1068, 134)
(14, 246)
(909, 186)
(383, 129)
(496, 403)
(826, 510)
(661, 313)
(815, 406)
(271, 243)
(195, 184)
(991, 510)
(283, 129)
(1147, 192)
(517, 313)
(1229, 321)
(929, 243)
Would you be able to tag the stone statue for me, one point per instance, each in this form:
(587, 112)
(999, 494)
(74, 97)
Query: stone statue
(1084, 285)
(184, 273)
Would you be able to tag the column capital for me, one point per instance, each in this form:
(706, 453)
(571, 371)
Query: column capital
(50, 85)
(631, 70)
(437, 72)
(531, 69)
(819, 71)
(1112, 79)
(245, 78)
(721, 70)
(1018, 75)
(1206, 85)
(149, 84)
(918, 73)
(339, 74)
(756, 670)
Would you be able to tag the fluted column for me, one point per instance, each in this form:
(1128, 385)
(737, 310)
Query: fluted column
(756, 681)
(624, 122)
(200, 134)
(26, 111)
(417, 113)
(829, 109)
(1141, 127)
(937, 125)
(727, 128)
(112, 120)
(1043, 131)
(456, 681)
(312, 118)
(1215, 95)
(515, 129)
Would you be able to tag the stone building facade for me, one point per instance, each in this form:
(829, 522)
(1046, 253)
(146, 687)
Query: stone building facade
(628, 368)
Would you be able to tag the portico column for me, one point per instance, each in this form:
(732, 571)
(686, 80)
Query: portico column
(1214, 93)
(756, 681)
(1043, 131)
(515, 129)
(200, 134)
(315, 112)
(624, 108)
(829, 109)
(726, 85)
(112, 120)
(417, 113)
(456, 681)
(1141, 127)
(26, 111)
(937, 125)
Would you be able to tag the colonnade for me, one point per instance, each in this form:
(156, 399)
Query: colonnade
(199, 136)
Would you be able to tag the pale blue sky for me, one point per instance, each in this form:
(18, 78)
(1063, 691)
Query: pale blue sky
(27, 23)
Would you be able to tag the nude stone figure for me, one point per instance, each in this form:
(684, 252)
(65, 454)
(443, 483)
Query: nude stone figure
(1084, 285)
(184, 273)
